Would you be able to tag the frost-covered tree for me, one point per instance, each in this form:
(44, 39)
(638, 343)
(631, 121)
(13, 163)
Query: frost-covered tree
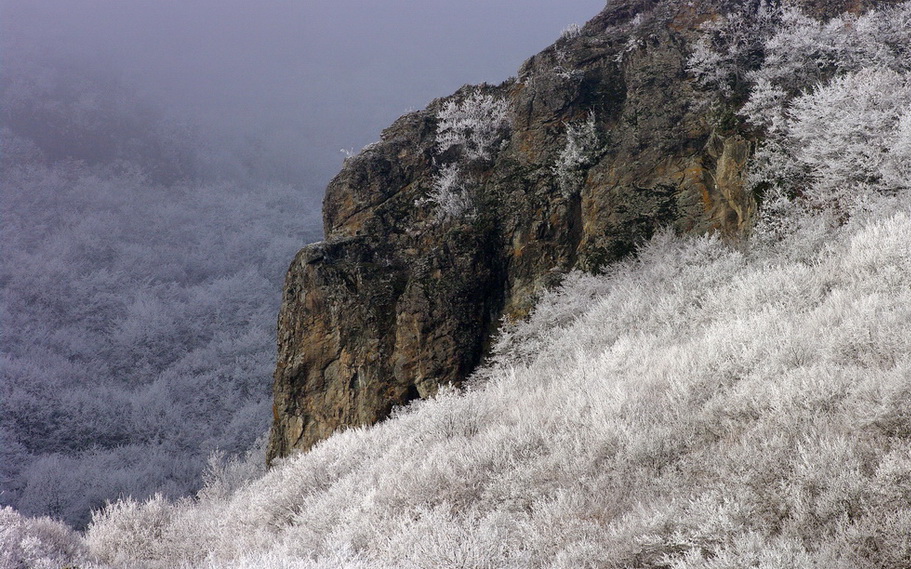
(474, 124)
(802, 53)
(846, 134)
(473, 127)
(582, 146)
(134, 314)
(831, 98)
(731, 46)
(451, 193)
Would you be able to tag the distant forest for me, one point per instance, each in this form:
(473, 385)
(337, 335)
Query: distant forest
(140, 276)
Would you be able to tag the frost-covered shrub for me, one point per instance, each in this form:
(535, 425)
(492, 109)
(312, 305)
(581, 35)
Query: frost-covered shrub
(844, 133)
(581, 149)
(38, 543)
(451, 193)
(730, 47)
(803, 53)
(571, 31)
(225, 474)
(127, 530)
(138, 293)
(475, 124)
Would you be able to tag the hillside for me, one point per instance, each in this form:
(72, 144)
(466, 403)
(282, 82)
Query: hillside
(465, 212)
(715, 399)
(699, 407)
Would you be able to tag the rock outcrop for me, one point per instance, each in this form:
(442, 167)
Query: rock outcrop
(466, 211)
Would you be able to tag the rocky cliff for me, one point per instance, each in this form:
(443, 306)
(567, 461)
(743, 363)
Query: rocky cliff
(465, 211)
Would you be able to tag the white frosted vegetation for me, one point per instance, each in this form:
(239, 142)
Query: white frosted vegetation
(474, 124)
(699, 404)
(721, 57)
(37, 543)
(137, 295)
(133, 314)
(802, 53)
(846, 134)
(581, 149)
(451, 193)
(571, 31)
(838, 143)
(474, 127)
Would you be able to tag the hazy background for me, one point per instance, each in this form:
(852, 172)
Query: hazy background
(161, 161)
(291, 82)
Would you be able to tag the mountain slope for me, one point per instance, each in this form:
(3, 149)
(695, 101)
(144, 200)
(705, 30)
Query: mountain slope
(465, 212)
(701, 406)
(706, 403)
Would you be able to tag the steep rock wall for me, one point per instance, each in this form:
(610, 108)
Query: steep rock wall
(400, 299)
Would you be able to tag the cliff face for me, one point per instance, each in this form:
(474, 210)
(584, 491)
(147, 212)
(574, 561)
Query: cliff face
(465, 211)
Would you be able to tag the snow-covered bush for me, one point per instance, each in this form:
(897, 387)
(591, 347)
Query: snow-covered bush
(571, 31)
(475, 124)
(225, 474)
(802, 53)
(451, 193)
(581, 148)
(38, 543)
(128, 530)
(730, 47)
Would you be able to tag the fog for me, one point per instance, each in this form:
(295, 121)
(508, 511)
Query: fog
(294, 81)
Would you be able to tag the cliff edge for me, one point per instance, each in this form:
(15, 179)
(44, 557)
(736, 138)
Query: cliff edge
(467, 210)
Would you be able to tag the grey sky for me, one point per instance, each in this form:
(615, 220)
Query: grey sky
(301, 78)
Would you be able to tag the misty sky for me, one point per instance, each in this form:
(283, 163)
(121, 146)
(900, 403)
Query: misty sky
(300, 79)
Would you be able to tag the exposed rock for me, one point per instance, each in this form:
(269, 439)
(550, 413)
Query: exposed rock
(399, 300)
